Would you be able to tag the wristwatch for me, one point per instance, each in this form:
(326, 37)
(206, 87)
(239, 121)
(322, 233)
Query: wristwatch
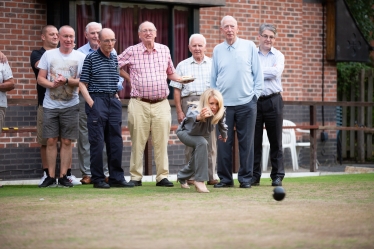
(66, 82)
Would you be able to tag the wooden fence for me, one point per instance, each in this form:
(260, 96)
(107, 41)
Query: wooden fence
(358, 145)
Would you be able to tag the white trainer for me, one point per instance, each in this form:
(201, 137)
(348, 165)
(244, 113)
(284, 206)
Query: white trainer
(73, 180)
(43, 178)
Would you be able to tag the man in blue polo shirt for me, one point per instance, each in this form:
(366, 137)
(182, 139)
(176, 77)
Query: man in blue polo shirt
(98, 85)
(237, 74)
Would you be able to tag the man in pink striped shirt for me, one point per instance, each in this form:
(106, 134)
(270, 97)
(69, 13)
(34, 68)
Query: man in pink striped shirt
(150, 66)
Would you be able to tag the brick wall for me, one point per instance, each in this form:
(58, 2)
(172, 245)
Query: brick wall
(299, 38)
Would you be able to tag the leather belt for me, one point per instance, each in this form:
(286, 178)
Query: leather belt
(109, 95)
(151, 101)
(268, 96)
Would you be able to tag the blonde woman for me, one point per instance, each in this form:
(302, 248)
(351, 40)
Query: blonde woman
(194, 132)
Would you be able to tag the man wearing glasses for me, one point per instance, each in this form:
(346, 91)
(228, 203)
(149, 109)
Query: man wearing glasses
(270, 106)
(92, 36)
(150, 66)
(98, 85)
(237, 74)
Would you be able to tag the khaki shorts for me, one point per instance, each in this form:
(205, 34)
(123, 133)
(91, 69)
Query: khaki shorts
(2, 118)
(39, 126)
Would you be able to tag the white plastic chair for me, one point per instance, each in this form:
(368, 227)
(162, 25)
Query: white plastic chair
(289, 141)
(265, 150)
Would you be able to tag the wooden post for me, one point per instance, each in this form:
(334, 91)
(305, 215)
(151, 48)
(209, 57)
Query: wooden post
(361, 120)
(313, 138)
(344, 123)
(369, 136)
(148, 157)
(352, 124)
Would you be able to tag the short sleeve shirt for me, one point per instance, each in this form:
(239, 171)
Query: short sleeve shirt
(148, 70)
(5, 74)
(70, 66)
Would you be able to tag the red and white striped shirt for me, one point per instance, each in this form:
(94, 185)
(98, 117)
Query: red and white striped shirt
(148, 70)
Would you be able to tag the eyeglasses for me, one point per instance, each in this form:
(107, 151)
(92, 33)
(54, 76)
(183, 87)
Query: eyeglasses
(227, 27)
(266, 37)
(147, 30)
(109, 40)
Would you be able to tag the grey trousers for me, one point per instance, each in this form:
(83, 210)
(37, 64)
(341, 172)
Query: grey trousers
(198, 164)
(84, 145)
(212, 142)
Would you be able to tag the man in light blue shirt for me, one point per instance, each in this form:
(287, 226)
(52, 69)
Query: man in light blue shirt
(270, 106)
(237, 74)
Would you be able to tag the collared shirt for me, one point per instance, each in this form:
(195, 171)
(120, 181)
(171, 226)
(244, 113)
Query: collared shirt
(148, 70)
(236, 72)
(189, 67)
(100, 73)
(5, 74)
(272, 65)
(86, 49)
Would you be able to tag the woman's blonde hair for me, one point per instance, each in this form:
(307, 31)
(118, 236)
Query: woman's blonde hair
(204, 102)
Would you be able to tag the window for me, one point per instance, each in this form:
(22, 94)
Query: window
(172, 22)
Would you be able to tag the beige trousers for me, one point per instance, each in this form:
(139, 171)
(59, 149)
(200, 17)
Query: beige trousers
(144, 118)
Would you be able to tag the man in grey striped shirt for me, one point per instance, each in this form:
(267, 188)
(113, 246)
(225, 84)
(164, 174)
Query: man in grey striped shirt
(198, 66)
(269, 106)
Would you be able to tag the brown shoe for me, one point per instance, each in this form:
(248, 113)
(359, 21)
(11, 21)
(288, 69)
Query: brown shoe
(106, 179)
(86, 180)
(212, 182)
(190, 182)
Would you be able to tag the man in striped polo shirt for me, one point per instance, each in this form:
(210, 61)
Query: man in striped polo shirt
(98, 85)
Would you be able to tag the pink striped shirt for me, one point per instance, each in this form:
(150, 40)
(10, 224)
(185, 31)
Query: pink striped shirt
(148, 71)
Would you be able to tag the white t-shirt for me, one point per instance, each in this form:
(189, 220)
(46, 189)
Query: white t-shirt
(70, 66)
(5, 74)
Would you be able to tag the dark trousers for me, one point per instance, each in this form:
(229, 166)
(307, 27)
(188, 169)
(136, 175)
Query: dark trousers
(270, 113)
(243, 117)
(104, 122)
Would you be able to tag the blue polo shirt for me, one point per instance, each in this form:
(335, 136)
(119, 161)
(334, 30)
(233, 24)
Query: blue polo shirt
(100, 73)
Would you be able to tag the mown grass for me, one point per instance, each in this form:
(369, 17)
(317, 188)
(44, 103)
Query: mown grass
(318, 212)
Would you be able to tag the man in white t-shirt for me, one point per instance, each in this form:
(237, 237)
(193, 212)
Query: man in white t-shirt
(59, 73)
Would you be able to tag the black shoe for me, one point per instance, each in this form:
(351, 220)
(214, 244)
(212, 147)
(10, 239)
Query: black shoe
(255, 181)
(136, 183)
(122, 184)
(245, 185)
(64, 182)
(223, 185)
(277, 182)
(165, 183)
(102, 184)
(48, 182)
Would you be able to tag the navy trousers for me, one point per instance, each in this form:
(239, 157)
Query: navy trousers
(270, 113)
(243, 117)
(104, 122)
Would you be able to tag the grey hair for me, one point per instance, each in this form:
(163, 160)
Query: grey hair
(93, 23)
(266, 26)
(197, 35)
(226, 17)
(145, 22)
